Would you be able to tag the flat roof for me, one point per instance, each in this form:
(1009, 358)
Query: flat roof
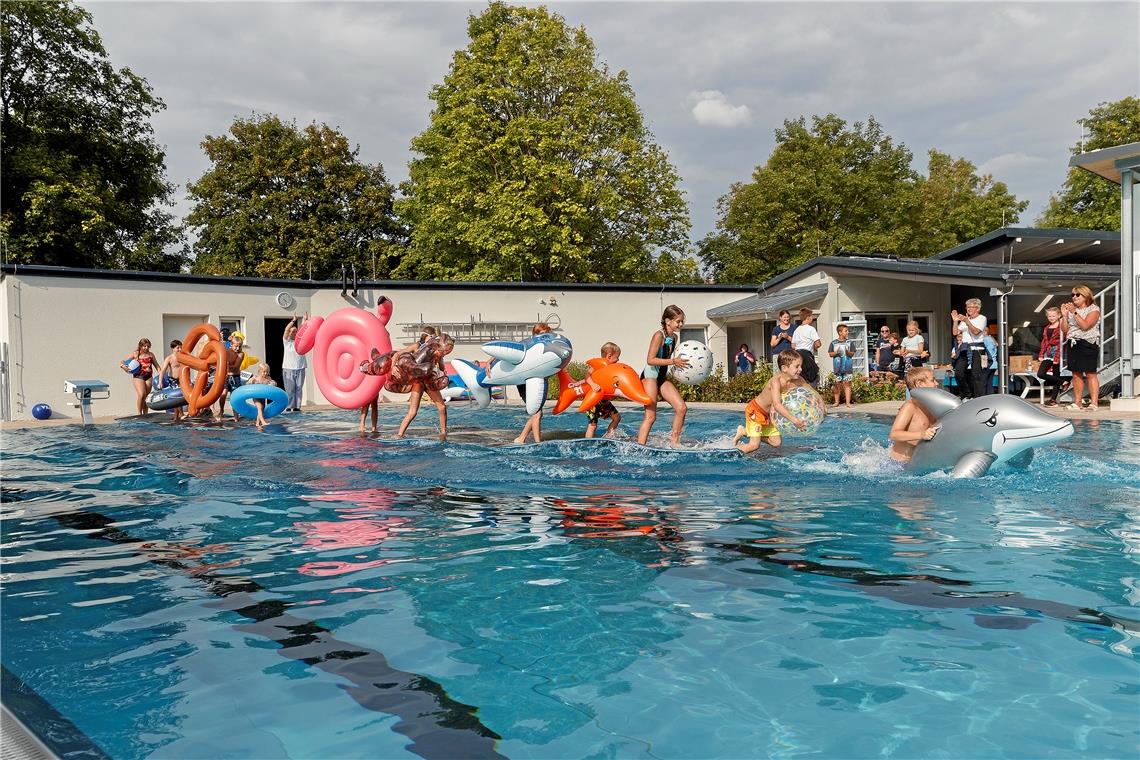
(1041, 244)
(1109, 162)
(763, 305)
(37, 270)
(982, 274)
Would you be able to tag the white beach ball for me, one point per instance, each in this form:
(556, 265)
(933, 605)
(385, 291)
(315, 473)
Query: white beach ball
(700, 363)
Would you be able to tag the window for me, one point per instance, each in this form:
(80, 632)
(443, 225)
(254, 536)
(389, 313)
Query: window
(693, 333)
(229, 325)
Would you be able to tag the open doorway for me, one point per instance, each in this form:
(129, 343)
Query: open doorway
(274, 350)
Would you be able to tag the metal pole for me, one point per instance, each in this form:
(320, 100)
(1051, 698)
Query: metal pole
(1126, 308)
(1003, 350)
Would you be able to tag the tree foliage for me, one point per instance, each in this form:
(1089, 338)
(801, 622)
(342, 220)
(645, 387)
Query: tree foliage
(537, 164)
(83, 180)
(830, 187)
(1087, 201)
(286, 202)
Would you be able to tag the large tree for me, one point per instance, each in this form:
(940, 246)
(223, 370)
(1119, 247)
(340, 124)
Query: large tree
(83, 180)
(826, 188)
(537, 164)
(830, 187)
(280, 201)
(1086, 201)
(955, 204)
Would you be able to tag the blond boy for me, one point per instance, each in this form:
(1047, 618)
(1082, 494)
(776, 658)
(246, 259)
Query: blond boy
(913, 424)
(758, 414)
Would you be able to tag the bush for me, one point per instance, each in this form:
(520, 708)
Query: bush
(880, 386)
(738, 389)
(577, 371)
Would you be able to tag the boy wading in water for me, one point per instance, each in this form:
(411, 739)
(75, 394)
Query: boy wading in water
(913, 425)
(758, 414)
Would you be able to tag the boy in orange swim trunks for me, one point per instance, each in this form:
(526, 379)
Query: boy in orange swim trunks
(758, 414)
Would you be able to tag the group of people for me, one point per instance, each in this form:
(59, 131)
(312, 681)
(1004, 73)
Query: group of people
(143, 367)
(416, 369)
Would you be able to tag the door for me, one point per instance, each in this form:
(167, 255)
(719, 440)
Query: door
(274, 350)
(175, 326)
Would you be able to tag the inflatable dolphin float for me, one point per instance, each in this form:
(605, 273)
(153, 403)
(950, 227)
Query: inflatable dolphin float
(527, 362)
(974, 435)
(614, 378)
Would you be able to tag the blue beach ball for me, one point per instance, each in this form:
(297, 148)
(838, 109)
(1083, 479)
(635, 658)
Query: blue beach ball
(41, 411)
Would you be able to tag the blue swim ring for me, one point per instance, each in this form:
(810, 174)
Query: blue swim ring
(276, 400)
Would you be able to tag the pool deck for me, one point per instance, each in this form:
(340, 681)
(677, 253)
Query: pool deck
(879, 408)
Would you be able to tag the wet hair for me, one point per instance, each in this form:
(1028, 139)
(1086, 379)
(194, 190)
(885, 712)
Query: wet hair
(788, 358)
(671, 312)
(175, 343)
(427, 331)
(541, 328)
(142, 342)
(913, 376)
(805, 313)
(609, 349)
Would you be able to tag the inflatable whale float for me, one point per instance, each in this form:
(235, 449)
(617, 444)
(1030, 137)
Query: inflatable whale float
(527, 362)
(975, 435)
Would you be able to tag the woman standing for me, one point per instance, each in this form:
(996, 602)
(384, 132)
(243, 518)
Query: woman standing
(1081, 325)
(782, 334)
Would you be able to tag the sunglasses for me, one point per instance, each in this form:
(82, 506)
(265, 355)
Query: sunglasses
(1074, 295)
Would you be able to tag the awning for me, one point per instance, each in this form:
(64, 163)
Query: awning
(769, 306)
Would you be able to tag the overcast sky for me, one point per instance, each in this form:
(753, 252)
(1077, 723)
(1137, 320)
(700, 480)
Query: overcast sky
(1000, 84)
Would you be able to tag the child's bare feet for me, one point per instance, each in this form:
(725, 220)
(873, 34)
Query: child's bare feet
(849, 406)
(739, 434)
(521, 439)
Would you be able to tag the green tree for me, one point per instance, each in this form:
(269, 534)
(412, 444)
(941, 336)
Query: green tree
(286, 202)
(956, 205)
(829, 188)
(83, 180)
(825, 188)
(1086, 201)
(537, 164)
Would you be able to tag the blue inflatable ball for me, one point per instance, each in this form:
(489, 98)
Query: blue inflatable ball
(41, 412)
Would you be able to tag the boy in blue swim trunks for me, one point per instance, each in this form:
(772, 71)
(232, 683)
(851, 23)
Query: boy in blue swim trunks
(842, 353)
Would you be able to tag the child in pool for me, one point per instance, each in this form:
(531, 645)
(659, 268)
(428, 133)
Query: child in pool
(235, 355)
(140, 377)
(912, 424)
(260, 377)
(170, 370)
(533, 426)
(758, 425)
(418, 369)
(603, 410)
(655, 376)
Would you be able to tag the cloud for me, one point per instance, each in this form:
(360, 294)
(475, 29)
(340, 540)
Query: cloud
(713, 109)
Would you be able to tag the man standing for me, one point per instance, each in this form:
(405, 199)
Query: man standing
(292, 366)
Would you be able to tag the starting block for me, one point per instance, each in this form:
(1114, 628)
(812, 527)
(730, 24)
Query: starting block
(85, 392)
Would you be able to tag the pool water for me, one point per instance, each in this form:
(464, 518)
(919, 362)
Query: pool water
(305, 592)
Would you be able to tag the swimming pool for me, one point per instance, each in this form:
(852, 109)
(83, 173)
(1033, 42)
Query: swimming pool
(305, 592)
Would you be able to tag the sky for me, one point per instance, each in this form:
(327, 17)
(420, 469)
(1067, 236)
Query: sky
(999, 84)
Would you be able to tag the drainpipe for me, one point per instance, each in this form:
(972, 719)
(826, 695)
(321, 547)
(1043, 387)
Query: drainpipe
(1003, 349)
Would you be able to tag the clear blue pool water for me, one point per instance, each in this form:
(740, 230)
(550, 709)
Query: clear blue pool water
(308, 593)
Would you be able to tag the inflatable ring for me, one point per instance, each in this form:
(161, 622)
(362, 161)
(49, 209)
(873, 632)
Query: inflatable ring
(200, 393)
(342, 342)
(276, 400)
(165, 398)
